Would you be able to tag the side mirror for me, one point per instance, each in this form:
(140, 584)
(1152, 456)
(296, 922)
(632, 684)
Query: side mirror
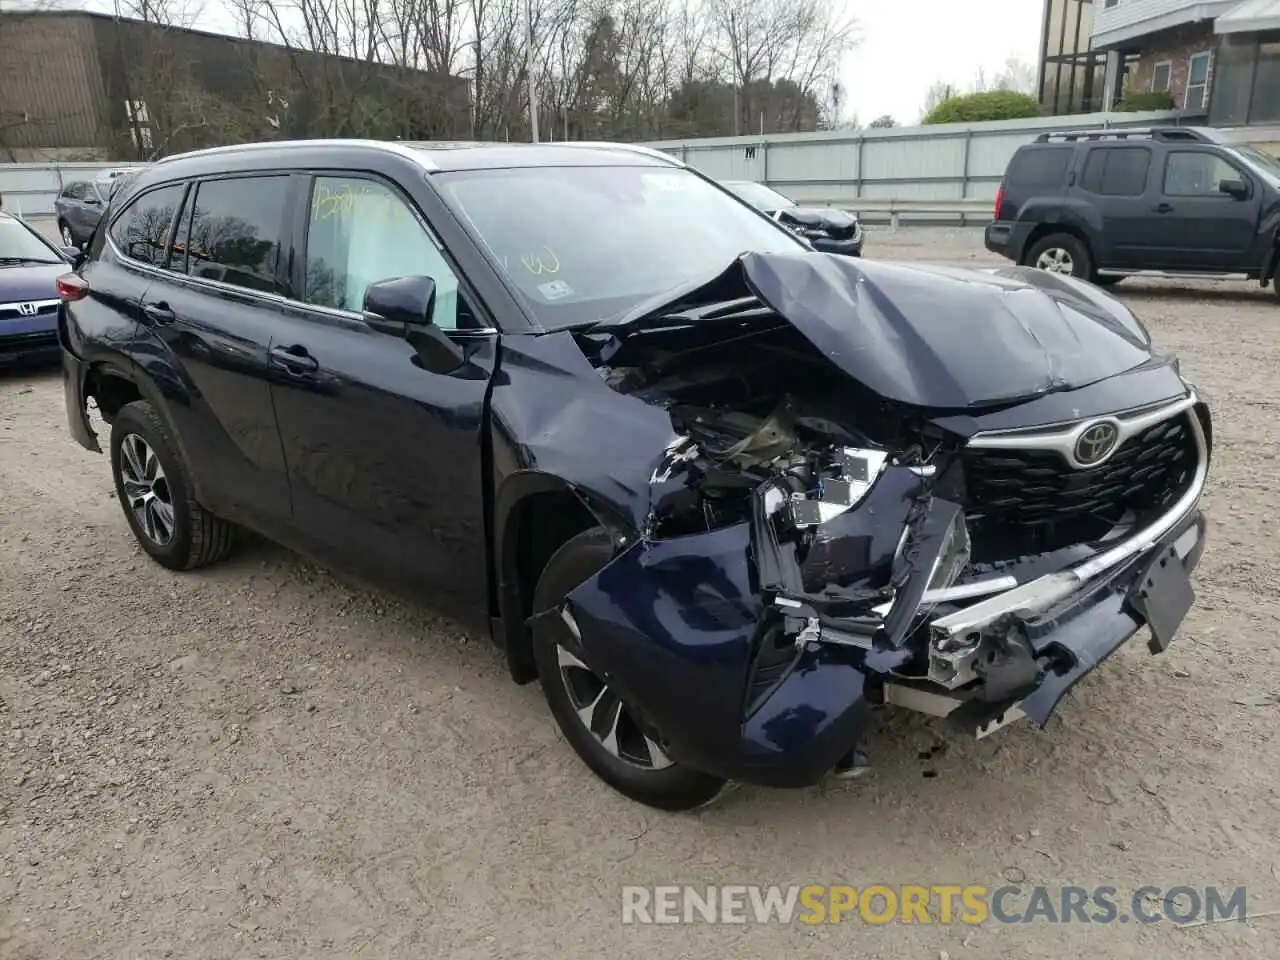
(1234, 187)
(403, 307)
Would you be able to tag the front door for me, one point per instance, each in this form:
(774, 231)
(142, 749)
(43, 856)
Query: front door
(1201, 227)
(213, 305)
(384, 456)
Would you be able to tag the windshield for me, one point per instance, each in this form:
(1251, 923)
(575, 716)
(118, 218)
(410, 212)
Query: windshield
(760, 196)
(586, 243)
(1264, 162)
(19, 243)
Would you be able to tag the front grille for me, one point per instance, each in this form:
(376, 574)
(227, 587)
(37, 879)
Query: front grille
(1037, 488)
(9, 311)
(842, 233)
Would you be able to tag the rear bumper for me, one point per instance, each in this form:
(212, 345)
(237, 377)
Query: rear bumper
(998, 238)
(74, 372)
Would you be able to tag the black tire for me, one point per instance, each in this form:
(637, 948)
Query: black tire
(196, 537)
(1075, 249)
(673, 787)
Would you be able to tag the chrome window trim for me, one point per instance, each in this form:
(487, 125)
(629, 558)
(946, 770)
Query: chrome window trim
(1061, 438)
(272, 299)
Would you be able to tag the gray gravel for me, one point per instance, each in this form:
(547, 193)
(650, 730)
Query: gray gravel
(259, 760)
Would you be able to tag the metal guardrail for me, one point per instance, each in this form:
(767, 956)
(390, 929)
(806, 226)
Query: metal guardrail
(895, 209)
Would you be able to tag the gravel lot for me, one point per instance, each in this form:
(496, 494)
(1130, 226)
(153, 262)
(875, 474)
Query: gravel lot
(259, 760)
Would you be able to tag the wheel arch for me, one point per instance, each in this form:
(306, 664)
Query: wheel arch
(536, 513)
(112, 384)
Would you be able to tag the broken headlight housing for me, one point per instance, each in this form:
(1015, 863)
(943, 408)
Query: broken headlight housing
(840, 488)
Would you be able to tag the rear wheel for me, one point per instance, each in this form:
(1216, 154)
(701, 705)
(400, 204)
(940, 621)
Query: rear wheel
(68, 238)
(151, 482)
(609, 734)
(1061, 253)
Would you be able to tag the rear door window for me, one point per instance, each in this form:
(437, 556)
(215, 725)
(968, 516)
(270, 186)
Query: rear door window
(1117, 171)
(141, 232)
(235, 232)
(1039, 166)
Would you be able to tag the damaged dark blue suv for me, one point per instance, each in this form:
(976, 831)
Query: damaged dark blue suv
(720, 494)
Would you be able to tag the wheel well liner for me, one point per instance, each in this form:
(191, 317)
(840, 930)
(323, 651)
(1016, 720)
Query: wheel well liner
(534, 528)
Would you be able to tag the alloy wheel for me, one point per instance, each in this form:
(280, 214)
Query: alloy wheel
(606, 717)
(146, 489)
(1055, 260)
(67, 239)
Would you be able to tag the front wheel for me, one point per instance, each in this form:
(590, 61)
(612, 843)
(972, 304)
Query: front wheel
(609, 734)
(68, 238)
(1061, 253)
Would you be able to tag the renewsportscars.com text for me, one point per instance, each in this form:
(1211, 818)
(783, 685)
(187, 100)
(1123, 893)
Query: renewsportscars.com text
(935, 903)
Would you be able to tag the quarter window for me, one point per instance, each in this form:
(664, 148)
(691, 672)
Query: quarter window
(141, 232)
(235, 230)
(1194, 174)
(360, 232)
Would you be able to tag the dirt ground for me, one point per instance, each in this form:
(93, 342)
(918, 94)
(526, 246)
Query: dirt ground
(258, 760)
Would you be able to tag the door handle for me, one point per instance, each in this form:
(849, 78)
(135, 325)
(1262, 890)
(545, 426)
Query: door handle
(295, 359)
(1163, 208)
(158, 312)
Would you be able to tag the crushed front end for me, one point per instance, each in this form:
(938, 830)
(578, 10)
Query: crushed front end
(813, 549)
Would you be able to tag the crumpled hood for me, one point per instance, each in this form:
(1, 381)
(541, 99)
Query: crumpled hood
(819, 217)
(950, 338)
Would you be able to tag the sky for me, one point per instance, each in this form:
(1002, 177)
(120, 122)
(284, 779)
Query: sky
(907, 45)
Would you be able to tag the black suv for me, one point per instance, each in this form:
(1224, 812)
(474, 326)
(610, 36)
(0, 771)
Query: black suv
(1107, 204)
(719, 504)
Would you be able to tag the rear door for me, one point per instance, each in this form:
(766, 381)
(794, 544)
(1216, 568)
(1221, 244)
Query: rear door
(384, 456)
(1199, 226)
(1116, 180)
(212, 306)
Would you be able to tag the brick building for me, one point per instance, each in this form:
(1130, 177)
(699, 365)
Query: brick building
(77, 85)
(1216, 60)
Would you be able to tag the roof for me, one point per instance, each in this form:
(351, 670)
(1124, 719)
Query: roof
(1249, 16)
(438, 157)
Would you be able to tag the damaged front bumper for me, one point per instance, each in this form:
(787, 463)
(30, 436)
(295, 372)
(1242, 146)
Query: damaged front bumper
(679, 627)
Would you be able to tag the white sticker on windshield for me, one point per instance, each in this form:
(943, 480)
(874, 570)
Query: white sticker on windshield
(555, 289)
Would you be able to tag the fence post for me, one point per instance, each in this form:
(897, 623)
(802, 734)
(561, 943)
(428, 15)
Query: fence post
(858, 183)
(964, 174)
(893, 220)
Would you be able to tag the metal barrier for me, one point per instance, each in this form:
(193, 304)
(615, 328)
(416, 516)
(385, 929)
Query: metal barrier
(869, 208)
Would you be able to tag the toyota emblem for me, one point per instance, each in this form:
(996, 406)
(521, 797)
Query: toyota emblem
(1096, 443)
(28, 309)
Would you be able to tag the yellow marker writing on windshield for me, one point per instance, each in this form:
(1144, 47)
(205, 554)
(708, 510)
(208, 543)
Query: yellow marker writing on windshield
(538, 266)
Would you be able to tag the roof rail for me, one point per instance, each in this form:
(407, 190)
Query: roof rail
(1184, 134)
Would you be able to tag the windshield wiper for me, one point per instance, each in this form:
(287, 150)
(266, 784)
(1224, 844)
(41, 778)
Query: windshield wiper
(12, 260)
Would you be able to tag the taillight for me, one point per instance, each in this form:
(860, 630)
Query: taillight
(71, 287)
(999, 201)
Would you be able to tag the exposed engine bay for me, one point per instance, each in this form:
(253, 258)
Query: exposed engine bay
(867, 518)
